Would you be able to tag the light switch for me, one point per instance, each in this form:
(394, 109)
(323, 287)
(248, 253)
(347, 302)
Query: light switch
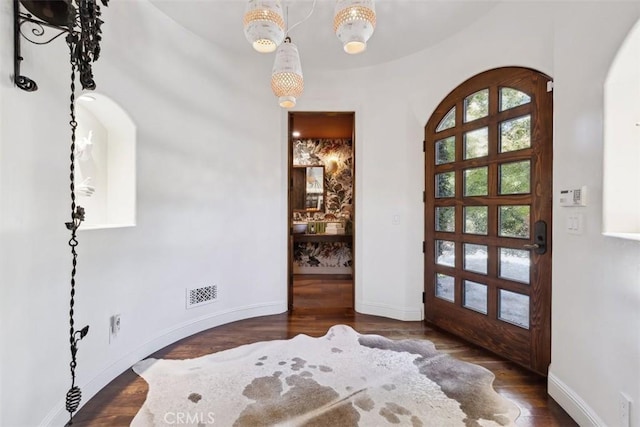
(395, 220)
(575, 223)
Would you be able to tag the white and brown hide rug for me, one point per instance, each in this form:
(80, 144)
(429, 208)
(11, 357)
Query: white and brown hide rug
(341, 379)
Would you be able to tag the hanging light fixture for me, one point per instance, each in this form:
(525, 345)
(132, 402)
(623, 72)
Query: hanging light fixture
(264, 25)
(287, 82)
(353, 23)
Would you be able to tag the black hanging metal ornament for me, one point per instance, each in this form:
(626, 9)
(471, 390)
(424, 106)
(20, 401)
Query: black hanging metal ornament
(80, 20)
(83, 40)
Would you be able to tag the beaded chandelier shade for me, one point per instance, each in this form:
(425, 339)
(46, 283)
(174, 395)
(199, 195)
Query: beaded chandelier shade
(353, 23)
(287, 82)
(264, 27)
(264, 24)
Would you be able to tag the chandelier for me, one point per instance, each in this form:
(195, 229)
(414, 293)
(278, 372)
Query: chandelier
(264, 27)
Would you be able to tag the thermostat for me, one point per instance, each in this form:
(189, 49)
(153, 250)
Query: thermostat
(575, 197)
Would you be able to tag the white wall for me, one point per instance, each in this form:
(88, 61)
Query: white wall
(596, 294)
(211, 207)
(212, 197)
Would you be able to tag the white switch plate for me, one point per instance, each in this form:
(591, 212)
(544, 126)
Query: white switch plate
(395, 220)
(575, 223)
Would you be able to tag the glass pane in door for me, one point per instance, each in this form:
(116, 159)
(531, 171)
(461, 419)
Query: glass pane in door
(446, 150)
(448, 121)
(511, 98)
(513, 308)
(476, 219)
(476, 182)
(514, 178)
(446, 218)
(513, 221)
(514, 264)
(476, 143)
(515, 134)
(446, 184)
(475, 258)
(475, 296)
(445, 287)
(476, 105)
(446, 253)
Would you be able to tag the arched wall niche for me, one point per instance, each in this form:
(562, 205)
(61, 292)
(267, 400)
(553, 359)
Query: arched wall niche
(621, 172)
(105, 163)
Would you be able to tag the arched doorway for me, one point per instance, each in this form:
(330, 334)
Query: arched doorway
(488, 182)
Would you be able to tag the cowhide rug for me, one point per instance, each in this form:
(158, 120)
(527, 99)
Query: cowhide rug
(341, 379)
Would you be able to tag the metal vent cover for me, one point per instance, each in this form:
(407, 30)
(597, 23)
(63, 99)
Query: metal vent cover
(200, 296)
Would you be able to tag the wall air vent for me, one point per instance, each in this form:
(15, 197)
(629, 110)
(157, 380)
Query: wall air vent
(200, 296)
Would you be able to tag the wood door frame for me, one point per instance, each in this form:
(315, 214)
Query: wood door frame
(534, 344)
(323, 135)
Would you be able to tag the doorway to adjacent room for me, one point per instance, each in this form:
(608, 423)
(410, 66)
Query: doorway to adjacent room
(321, 211)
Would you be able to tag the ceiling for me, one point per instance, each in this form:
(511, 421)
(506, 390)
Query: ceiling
(403, 27)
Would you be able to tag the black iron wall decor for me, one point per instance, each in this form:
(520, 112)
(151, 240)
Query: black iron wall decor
(46, 20)
(80, 21)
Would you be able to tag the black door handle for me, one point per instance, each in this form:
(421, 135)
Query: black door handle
(539, 244)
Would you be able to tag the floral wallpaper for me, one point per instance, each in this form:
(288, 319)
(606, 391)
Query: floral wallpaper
(337, 157)
(313, 254)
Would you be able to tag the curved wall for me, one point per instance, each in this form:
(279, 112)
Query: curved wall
(211, 208)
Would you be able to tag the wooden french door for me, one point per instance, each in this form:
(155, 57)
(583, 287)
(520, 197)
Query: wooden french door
(488, 170)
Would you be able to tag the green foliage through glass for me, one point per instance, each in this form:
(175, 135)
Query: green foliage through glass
(514, 221)
(476, 105)
(515, 134)
(515, 178)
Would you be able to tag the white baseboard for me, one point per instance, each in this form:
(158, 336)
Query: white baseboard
(571, 402)
(392, 312)
(58, 415)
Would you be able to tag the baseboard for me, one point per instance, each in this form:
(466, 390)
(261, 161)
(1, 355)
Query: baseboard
(58, 415)
(392, 312)
(571, 402)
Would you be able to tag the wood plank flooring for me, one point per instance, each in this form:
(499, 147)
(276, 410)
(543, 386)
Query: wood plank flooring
(119, 401)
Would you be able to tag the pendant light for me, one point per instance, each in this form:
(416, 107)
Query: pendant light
(287, 82)
(353, 23)
(264, 25)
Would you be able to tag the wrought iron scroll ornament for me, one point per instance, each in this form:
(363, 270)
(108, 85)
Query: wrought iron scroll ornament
(80, 21)
(46, 20)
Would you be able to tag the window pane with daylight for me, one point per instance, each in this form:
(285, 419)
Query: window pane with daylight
(476, 219)
(475, 258)
(445, 287)
(514, 178)
(514, 308)
(446, 150)
(514, 264)
(513, 221)
(515, 134)
(446, 253)
(510, 98)
(476, 182)
(448, 121)
(475, 296)
(446, 184)
(446, 219)
(476, 143)
(476, 105)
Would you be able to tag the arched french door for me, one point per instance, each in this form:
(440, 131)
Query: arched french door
(488, 183)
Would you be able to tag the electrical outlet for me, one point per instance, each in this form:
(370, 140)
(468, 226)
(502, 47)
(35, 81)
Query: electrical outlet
(114, 327)
(624, 409)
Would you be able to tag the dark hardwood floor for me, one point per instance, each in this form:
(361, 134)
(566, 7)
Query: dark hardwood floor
(119, 401)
